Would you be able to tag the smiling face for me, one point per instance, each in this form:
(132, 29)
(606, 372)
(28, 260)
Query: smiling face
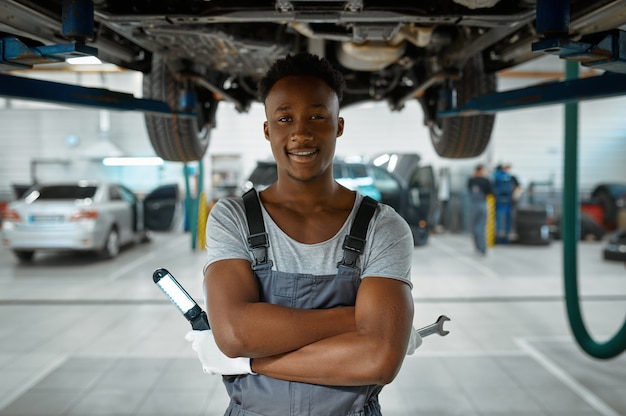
(302, 126)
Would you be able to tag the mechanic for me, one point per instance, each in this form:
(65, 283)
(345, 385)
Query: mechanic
(313, 326)
(506, 191)
(479, 187)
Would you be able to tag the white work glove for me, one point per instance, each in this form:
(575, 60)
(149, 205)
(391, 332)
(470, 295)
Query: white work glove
(414, 342)
(213, 360)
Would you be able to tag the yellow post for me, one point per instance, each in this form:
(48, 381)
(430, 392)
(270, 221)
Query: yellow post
(490, 229)
(203, 213)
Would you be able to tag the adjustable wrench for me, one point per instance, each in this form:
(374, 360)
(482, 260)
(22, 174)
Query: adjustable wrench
(437, 327)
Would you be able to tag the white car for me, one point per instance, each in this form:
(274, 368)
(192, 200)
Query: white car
(84, 216)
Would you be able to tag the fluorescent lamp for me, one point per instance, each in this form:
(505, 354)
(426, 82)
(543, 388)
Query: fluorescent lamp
(132, 161)
(181, 299)
(84, 60)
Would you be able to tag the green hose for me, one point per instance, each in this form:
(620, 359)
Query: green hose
(570, 235)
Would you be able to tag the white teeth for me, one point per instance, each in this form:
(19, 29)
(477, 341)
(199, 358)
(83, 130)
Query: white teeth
(302, 153)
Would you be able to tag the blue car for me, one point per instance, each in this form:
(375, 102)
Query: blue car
(409, 197)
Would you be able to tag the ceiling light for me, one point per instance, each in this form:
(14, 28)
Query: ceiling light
(132, 161)
(84, 60)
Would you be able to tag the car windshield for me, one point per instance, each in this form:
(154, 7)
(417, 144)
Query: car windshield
(356, 171)
(66, 192)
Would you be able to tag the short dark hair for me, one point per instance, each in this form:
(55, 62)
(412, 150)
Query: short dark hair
(301, 64)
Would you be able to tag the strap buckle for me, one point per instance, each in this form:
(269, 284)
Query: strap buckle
(258, 243)
(353, 247)
(258, 240)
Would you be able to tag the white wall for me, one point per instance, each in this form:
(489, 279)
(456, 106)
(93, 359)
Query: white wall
(530, 139)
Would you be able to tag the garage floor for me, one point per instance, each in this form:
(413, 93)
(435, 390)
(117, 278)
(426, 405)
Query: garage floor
(81, 336)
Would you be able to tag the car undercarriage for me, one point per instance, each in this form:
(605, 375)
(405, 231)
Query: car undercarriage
(441, 53)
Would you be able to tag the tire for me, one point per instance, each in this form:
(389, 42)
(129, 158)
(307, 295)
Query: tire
(590, 230)
(111, 247)
(459, 137)
(614, 255)
(532, 226)
(173, 138)
(145, 238)
(24, 255)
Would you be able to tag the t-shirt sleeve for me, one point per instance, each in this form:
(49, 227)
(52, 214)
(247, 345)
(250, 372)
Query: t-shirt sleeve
(391, 250)
(226, 232)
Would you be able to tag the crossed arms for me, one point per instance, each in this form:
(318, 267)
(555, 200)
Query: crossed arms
(347, 346)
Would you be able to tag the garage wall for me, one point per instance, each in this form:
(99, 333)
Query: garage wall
(53, 142)
(530, 139)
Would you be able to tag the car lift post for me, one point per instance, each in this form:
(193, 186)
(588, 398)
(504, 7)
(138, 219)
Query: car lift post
(608, 53)
(192, 202)
(550, 21)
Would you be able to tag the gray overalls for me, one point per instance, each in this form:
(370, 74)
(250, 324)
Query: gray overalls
(261, 395)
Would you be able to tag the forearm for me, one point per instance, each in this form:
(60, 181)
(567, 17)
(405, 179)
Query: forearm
(261, 329)
(348, 359)
(371, 354)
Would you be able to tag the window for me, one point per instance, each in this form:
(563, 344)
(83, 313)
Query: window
(66, 192)
(114, 193)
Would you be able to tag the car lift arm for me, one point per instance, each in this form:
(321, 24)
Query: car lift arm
(574, 90)
(38, 90)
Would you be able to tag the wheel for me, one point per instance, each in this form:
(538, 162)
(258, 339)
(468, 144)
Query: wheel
(590, 230)
(612, 253)
(174, 138)
(24, 255)
(145, 238)
(112, 245)
(607, 196)
(465, 137)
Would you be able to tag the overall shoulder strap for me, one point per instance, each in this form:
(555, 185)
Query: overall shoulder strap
(354, 243)
(257, 237)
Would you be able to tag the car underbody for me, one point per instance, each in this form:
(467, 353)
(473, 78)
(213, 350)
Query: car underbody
(441, 53)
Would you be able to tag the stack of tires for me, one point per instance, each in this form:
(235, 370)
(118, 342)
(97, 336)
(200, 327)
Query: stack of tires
(531, 223)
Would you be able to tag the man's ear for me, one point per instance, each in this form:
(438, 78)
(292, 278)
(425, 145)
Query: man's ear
(339, 126)
(266, 132)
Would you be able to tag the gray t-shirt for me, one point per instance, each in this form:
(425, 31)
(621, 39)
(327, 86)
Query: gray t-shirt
(388, 249)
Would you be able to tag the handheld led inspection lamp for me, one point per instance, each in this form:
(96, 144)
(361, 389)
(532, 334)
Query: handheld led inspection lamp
(179, 297)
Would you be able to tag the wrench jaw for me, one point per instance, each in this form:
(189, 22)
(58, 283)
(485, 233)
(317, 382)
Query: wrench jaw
(440, 322)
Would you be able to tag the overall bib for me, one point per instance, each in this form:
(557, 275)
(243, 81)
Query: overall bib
(254, 395)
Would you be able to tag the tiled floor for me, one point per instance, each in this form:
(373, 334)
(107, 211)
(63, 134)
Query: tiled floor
(81, 336)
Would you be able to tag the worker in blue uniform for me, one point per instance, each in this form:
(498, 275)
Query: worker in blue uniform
(505, 187)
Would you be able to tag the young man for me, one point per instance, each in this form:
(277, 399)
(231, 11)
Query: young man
(479, 187)
(307, 336)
